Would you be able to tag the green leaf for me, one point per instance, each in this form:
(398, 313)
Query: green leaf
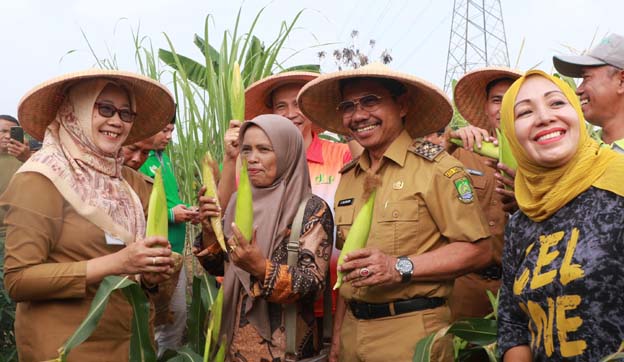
(141, 348)
(194, 71)
(423, 349)
(196, 318)
(619, 355)
(184, 354)
(88, 325)
(477, 331)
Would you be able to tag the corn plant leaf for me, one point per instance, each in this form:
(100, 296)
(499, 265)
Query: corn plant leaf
(100, 300)
(196, 318)
(422, 352)
(617, 356)
(184, 354)
(477, 331)
(494, 302)
(141, 348)
(207, 50)
(157, 221)
(216, 312)
(220, 357)
(194, 71)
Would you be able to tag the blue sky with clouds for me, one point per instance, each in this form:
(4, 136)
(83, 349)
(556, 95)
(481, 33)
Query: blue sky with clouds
(42, 39)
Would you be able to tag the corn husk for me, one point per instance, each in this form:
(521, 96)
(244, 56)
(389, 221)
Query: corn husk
(358, 234)
(157, 221)
(488, 149)
(238, 94)
(243, 214)
(209, 180)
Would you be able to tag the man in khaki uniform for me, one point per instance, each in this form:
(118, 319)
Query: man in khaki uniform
(427, 227)
(478, 96)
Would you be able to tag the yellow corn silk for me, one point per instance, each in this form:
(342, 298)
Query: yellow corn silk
(243, 214)
(157, 222)
(208, 167)
(358, 234)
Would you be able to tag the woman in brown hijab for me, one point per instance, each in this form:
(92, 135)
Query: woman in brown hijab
(75, 215)
(258, 282)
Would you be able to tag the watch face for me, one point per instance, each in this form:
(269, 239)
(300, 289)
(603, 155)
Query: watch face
(404, 266)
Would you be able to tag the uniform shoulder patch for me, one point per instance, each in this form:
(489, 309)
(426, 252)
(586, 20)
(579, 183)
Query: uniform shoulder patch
(426, 149)
(351, 164)
(452, 171)
(464, 190)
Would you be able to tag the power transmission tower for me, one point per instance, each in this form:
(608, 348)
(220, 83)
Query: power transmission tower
(477, 38)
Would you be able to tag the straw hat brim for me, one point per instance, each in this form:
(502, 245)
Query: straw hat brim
(470, 94)
(428, 108)
(154, 104)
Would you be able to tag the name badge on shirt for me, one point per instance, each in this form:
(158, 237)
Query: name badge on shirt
(345, 202)
(111, 240)
(474, 172)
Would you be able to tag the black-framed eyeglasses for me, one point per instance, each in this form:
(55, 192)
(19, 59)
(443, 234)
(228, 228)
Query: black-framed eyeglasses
(369, 103)
(108, 110)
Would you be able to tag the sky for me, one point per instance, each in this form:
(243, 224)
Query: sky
(42, 39)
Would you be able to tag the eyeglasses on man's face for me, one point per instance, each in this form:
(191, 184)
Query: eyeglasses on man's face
(369, 103)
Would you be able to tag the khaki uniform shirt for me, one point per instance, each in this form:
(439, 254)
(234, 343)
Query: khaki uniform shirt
(8, 166)
(483, 180)
(422, 204)
(47, 247)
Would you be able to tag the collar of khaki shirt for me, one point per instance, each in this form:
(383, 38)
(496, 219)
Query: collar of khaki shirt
(397, 152)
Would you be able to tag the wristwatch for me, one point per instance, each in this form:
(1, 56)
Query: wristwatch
(405, 267)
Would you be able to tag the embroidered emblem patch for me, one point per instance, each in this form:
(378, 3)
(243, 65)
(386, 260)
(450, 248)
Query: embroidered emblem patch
(464, 189)
(452, 171)
(345, 202)
(397, 185)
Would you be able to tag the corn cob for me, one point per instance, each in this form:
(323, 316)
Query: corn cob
(243, 214)
(488, 149)
(208, 178)
(237, 94)
(505, 156)
(157, 222)
(358, 234)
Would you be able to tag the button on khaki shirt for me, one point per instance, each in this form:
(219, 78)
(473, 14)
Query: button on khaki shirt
(420, 206)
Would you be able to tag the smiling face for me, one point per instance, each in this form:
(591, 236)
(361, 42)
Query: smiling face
(257, 149)
(375, 130)
(494, 102)
(546, 124)
(284, 102)
(161, 139)
(109, 133)
(599, 93)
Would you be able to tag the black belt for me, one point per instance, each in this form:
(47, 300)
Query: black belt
(362, 310)
(492, 272)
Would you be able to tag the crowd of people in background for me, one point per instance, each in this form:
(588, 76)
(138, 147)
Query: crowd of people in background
(448, 225)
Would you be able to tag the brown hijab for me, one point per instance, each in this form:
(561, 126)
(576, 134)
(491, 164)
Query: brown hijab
(275, 207)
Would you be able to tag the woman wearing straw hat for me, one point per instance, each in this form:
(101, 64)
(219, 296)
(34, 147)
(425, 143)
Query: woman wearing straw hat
(563, 276)
(478, 96)
(426, 227)
(75, 215)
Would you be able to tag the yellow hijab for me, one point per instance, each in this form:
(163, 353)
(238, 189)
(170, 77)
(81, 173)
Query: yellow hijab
(541, 191)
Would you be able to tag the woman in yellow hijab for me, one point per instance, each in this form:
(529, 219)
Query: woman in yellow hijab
(562, 278)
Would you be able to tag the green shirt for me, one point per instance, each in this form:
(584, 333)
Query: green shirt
(177, 231)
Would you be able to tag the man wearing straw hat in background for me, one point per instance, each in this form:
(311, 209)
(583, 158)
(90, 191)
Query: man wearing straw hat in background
(478, 96)
(602, 88)
(277, 94)
(427, 227)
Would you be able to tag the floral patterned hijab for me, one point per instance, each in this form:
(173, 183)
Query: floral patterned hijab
(89, 179)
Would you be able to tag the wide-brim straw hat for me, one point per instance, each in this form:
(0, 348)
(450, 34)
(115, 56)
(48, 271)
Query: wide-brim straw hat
(428, 108)
(470, 94)
(154, 106)
(258, 95)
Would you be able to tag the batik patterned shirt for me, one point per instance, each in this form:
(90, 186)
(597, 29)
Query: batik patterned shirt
(563, 281)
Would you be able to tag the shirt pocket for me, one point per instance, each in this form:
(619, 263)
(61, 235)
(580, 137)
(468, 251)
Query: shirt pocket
(344, 220)
(396, 226)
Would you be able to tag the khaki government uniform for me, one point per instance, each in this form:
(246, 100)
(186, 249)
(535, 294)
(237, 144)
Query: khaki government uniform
(469, 298)
(417, 209)
(48, 245)
(9, 166)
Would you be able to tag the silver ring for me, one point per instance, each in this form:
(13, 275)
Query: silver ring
(153, 260)
(364, 272)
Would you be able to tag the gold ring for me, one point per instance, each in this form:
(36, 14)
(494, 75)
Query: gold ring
(153, 260)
